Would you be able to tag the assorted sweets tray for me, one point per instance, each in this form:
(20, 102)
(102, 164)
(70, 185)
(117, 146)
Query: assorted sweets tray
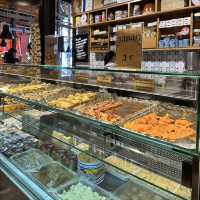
(27, 88)
(132, 191)
(73, 100)
(15, 141)
(112, 109)
(58, 96)
(53, 175)
(31, 160)
(12, 107)
(44, 90)
(49, 94)
(83, 190)
(149, 176)
(175, 124)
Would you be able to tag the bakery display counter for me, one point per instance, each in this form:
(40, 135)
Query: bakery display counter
(145, 134)
(68, 170)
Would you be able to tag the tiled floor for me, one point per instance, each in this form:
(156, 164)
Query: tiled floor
(8, 191)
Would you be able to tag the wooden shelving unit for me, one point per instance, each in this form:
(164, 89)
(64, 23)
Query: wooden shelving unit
(157, 15)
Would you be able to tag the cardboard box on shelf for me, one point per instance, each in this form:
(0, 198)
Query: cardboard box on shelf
(76, 7)
(171, 4)
(98, 4)
(149, 38)
(88, 5)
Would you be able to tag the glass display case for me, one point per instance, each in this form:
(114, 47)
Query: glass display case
(111, 134)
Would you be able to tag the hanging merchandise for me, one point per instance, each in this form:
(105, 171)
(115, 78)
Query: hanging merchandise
(22, 46)
(36, 47)
(18, 47)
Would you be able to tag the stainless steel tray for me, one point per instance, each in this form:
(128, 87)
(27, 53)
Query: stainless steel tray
(174, 112)
(125, 111)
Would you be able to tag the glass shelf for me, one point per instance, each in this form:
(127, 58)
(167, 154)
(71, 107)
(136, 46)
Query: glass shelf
(106, 127)
(141, 82)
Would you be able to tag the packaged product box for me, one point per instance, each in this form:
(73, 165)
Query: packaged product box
(76, 6)
(149, 38)
(98, 4)
(186, 21)
(88, 5)
(122, 1)
(162, 24)
(180, 22)
(171, 4)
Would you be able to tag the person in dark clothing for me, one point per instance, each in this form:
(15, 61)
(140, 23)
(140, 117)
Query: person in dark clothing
(10, 56)
(109, 60)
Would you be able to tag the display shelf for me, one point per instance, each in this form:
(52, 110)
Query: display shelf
(149, 17)
(174, 49)
(99, 51)
(126, 86)
(195, 7)
(187, 74)
(155, 14)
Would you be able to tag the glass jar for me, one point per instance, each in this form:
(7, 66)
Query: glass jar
(172, 41)
(197, 20)
(196, 37)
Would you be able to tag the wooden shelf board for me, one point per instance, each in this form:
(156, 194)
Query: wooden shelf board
(99, 51)
(174, 49)
(82, 26)
(100, 23)
(99, 35)
(174, 27)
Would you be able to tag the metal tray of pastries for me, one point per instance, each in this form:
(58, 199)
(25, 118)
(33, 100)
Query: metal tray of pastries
(168, 122)
(112, 109)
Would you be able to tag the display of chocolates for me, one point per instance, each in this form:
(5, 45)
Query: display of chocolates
(16, 142)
